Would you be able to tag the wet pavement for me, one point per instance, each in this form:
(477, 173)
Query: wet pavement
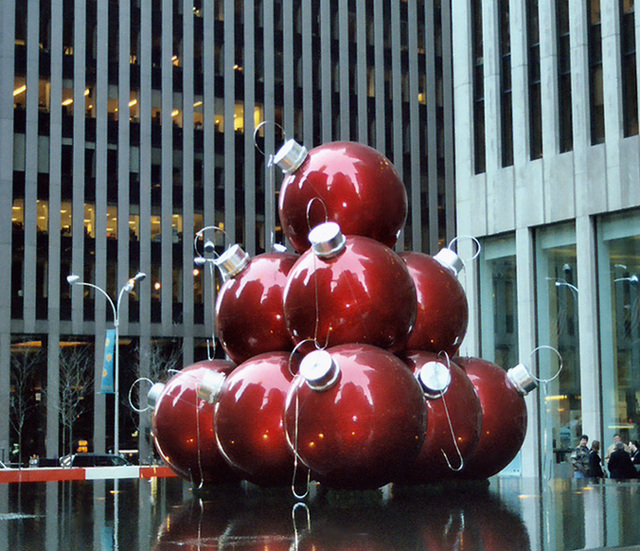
(166, 514)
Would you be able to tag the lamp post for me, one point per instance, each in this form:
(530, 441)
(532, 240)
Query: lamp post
(126, 288)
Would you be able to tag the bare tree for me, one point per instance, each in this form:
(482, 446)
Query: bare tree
(24, 365)
(76, 384)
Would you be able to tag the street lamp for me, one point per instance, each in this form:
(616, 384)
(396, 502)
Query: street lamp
(74, 279)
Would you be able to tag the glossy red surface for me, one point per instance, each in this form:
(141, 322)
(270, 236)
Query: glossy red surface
(504, 418)
(248, 419)
(465, 413)
(367, 428)
(183, 427)
(443, 311)
(249, 316)
(357, 187)
(364, 295)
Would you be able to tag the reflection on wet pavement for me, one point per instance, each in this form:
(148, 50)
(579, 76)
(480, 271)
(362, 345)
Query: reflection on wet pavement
(166, 515)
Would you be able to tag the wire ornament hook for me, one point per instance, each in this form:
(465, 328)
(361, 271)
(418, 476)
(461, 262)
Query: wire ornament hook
(296, 457)
(134, 408)
(453, 434)
(308, 213)
(547, 347)
(255, 139)
(474, 240)
(296, 506)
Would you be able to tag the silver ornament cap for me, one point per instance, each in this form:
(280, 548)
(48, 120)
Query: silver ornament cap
(327, 240)
(154, 394)
(210, 386)
(435, 378)
(290, 156)
(450, 260)
(232, 261)
(522, 379)
(319, 370)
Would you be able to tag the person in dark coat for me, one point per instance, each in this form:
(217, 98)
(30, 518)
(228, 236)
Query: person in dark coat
(595, 462)
(620, 466)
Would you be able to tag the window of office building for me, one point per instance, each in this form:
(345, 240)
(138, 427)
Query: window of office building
(564, 76)
(498, 301)
(506, 119)
(478, 87)
(557, 311)
(596, 94)
(618, 278)
(535, 98)
(629, 77)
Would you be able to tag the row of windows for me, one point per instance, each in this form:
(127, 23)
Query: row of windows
(563, 72)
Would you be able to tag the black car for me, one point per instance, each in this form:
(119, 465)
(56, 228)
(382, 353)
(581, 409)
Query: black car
(93, 460)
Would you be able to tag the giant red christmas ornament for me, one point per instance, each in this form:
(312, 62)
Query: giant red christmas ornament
(504, 414)
(248, 419)
(183, 422)
(454, 414)
(443, 312)
(349, 290)
(355, 416)
(344, 182)
(249, 316)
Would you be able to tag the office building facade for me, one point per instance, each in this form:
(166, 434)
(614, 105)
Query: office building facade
(128, 126)
(548, 180)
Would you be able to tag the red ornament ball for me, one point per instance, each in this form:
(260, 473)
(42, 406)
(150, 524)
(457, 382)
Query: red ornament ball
(443, 311)
(249, 309)
(344, 182)
(248, 419)
(360, 293)
(504, 418)
(355, 416)
(454, 413)
(183, 424)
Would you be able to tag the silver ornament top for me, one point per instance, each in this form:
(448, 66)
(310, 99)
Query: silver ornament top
(232, 261)
(290, 156)
(522, 379)
(210, 386)
(327, 240)
(435, 378)
(154, 394)
(450, 260)
(319, 370)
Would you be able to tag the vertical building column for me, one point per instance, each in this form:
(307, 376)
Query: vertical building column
(7, 81)
(415, 180)
(379, 69)
(492, 115)
(519, 82)
(361, 68)
(326, 70)
(31, 205)
(345, 92)
(250, 122)
(525, 262)
(590, 379)
(229, 112)
(612, 92)
(102, 309)
(431, 133)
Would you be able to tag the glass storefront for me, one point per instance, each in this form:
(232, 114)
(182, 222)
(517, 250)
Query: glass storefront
(498, 302)
(618, 281)
(557, 311)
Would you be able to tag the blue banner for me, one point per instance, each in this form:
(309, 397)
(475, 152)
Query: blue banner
(107, 369)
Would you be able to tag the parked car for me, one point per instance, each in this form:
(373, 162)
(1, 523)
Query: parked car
(93, 460)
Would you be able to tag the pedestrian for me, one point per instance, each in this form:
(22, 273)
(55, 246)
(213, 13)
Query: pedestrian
(595, 462)
(620, 466)
(612, 447)
(580, 458)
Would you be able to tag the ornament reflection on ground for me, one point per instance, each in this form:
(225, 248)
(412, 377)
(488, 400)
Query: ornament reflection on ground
(437, 520)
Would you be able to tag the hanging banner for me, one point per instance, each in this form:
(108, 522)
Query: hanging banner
(107, 368)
